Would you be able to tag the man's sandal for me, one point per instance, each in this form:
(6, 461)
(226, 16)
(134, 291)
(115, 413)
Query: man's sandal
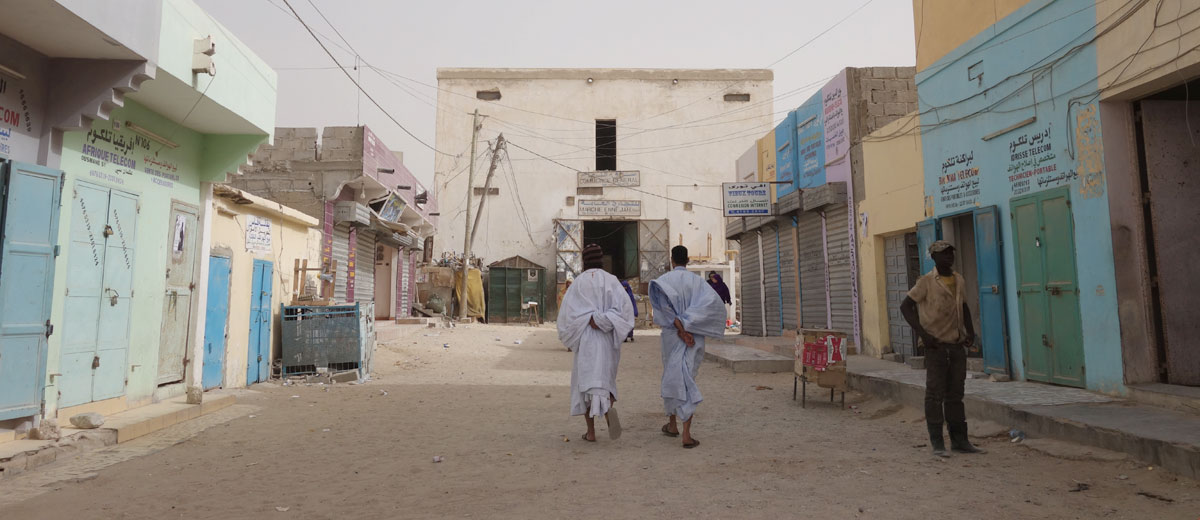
(666, 431)
(587, 439)
(695, 442)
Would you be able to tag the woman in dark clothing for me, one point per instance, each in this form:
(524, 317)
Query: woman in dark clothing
(629, 291)
(715, 281)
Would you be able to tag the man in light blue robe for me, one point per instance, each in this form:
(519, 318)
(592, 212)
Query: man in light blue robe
(688, 310)
(593, 321)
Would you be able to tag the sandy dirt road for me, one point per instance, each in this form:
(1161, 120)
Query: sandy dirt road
(497, 412)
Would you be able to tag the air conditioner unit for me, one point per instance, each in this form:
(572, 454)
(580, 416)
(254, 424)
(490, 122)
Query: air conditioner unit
(351, 212)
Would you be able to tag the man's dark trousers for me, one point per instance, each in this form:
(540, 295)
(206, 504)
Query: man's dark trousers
(945, 375)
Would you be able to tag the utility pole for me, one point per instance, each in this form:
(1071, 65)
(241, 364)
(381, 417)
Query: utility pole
(466, 267)
(487, 185)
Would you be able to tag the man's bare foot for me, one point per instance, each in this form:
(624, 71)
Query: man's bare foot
(589, 436)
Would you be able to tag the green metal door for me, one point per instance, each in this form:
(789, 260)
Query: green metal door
(1047, 288)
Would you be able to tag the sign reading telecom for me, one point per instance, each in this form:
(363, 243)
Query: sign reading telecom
(746, 199)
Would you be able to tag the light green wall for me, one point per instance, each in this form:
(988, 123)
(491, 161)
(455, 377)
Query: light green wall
(247, 85)
(150, 255)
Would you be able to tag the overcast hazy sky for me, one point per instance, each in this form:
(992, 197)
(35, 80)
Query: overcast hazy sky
(414, 38)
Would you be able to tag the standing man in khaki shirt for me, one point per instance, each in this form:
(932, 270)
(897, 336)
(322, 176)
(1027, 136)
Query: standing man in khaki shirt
(936, 311)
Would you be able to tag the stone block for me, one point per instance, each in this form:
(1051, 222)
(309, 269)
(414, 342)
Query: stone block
(906, 96)
(331, 143)
(876, 109)
(284, 133)
(906, 72)
(895, 109)
(916, 362)
(892, 356)
(883, 72)
(883, 96)
(874, 84)
(883, 121)
(306, 133)
(303, 155)
(345, 377)
(342, 132)
(13, 466)
(898, 84)
(40, 458)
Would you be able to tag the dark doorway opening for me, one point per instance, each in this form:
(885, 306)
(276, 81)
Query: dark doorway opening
(606, 144)
(959, 230)
(619, 240)
(1168, 137)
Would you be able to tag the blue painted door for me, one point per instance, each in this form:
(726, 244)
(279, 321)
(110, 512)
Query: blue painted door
(989, 261)
(215, 323)
(259, 355)
(928, 232)
(99, 294)
(29, 226)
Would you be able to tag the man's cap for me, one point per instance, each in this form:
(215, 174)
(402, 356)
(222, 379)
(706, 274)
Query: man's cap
(939, 246)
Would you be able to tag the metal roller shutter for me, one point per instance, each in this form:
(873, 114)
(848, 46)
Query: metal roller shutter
(770, 238)
(812, 271)
(841, 276)
(751, 286)
(788, 273)
(341, 255)
(364, 269)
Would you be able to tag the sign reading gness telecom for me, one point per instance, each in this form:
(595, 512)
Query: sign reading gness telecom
(609, 208)
(610, 179)
(746, 199)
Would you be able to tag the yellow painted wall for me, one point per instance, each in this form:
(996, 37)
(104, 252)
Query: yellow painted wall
(940, 26)
(1162, 56)
(766, 160)
(290, 240)
(893, 170)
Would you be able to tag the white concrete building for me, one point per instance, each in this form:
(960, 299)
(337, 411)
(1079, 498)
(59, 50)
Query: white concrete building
(632, 159)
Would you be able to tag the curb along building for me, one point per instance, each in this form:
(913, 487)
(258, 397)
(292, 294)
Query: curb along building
(799, 267)
(1059, 159)
(116, 131)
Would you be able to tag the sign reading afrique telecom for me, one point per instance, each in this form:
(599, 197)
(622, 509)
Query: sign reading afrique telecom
(746, 199)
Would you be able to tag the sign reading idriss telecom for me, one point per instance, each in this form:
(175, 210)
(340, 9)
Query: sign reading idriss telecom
(746, 199)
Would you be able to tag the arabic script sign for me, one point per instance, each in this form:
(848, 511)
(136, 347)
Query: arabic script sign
(610, 179)
(610, 208)
(745, 199)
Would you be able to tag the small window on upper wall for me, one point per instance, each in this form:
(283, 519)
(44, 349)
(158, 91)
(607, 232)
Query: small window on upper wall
(606, 144)
(737, 98)
(488, 95)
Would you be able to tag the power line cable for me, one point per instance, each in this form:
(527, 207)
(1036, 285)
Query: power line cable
(359, 86)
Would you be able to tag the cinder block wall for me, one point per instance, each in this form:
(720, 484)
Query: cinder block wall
(879, 96)
(297, 171)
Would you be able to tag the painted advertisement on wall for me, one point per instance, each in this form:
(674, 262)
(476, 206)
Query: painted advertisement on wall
(21, 103)
(810, 141)
(766, 160)
(1009, 134)
(786, 156)
(835, 109)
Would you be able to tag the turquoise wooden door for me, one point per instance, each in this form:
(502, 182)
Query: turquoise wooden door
(215, 322)
(99, 294)
(989, 266)
(928, 232)
(29, 211)
(1048, 291)
(259, 346)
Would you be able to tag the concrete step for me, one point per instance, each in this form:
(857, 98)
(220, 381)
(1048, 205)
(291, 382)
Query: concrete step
(747, 360)
(1172, 397)
(1152, 435)
(16, 457)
